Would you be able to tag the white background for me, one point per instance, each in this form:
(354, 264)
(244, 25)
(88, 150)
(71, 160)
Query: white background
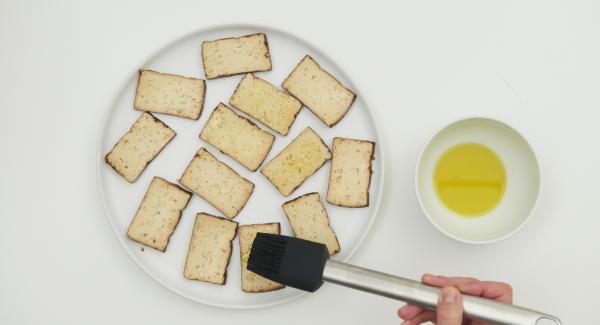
(421, 64)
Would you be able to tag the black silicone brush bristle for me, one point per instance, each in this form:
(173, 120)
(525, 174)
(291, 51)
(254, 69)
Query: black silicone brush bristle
(267, 253)
(290, 261)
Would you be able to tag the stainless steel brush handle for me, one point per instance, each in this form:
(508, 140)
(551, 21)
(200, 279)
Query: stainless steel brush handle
(415, 292)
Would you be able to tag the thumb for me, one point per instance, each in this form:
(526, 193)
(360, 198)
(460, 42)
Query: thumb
(449, 309)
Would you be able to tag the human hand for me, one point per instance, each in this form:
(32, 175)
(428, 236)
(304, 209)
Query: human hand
(449, 310)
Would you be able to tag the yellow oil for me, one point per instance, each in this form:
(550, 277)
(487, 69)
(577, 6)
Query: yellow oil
(246, 257)
(470, 179)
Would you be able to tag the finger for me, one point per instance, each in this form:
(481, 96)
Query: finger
(456, 280)
(488, 289)
(449, 309)
(424, 317)
(409, 311)
(443, 281)
(434, 280)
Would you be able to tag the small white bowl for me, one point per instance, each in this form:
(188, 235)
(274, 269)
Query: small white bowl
(522, 187)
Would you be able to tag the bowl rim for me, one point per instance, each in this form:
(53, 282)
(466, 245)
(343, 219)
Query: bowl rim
(418, 166)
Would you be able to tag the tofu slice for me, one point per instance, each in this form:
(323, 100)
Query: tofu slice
(261, 100)
(237, 137)
(217, 183)
(252, 282)
(296, 162)
(139, 146)
(169, 94)
(210, 249)
(350, 175)
(309, 221)
(231, 56)
(158, 214)
(324, 95)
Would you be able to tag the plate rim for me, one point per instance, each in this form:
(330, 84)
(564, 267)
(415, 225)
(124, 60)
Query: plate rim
(208, 28)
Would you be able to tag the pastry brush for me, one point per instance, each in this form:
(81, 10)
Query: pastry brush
(305, 265)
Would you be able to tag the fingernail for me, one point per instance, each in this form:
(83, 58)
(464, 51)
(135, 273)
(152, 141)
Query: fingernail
(449, 295)
(404, 308)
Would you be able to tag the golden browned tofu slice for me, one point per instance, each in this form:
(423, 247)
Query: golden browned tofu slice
(210, 249)
(139, 146)
(252, 282)
(169, 94)
(296, 162)
(237, 137)
(261, 100)
(158, 214)
(231, 56)
(350, 175)
(217, 183)
(309, 221)
(324, 95)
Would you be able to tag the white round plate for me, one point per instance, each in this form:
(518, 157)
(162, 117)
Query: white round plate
(121, 198)
(522, 188)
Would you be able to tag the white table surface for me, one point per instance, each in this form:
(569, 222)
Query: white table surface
(421, 64)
